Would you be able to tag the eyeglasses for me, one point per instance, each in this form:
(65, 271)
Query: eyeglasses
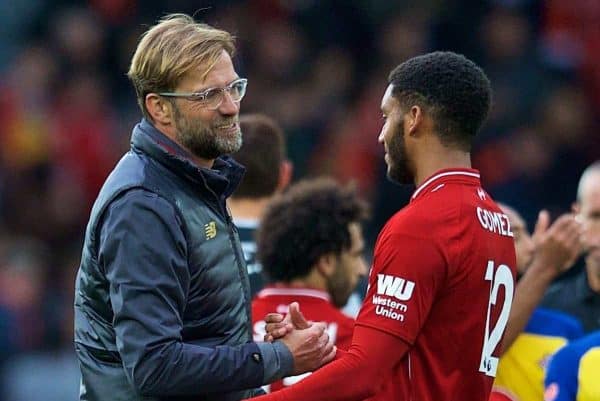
(212, 98)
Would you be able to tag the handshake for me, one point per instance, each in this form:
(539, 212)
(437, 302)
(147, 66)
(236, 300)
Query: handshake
(308, 342)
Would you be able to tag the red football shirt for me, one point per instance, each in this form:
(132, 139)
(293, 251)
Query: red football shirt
(440, 287)
(499, 394)
(442, 268)
(315, 305)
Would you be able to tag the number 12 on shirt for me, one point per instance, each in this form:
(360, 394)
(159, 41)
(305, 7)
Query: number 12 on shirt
(500, 276)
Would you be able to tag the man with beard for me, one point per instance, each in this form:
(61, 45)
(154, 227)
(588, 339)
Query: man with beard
(442, 280)
(162, 303)
(311, 246)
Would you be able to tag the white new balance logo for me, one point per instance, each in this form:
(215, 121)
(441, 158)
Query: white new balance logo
(394, 287)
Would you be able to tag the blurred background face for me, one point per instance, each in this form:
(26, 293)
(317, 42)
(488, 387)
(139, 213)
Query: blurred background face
(524, 247)
(589, 212)
(206, 133)
(350, 266)
(392, 138)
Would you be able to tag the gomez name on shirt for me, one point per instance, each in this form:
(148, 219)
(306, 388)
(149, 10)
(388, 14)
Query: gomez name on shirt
(494, 221)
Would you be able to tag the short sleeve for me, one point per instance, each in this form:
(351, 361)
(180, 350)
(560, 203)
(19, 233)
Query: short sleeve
(405, 278)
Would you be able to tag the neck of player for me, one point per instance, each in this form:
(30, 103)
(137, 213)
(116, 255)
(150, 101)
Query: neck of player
(437, 158)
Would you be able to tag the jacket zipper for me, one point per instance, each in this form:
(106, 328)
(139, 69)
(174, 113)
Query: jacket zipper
(236, 252)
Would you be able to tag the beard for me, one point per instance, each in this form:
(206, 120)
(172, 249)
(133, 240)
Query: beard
(203, 140)
(339, 286)
(398, 165)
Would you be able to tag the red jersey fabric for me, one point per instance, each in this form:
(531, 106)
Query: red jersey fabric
(315, 306)
(499, 394)
(440, 287)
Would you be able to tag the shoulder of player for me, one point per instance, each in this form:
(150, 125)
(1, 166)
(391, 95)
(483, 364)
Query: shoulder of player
(427, 214)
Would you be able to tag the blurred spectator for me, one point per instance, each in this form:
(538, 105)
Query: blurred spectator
(580, 295)
(16, 18)
(571, 41)
(534, 334)
(268, 173)
(79, 38)
(36, 358)
(23, 264)
(83, 144)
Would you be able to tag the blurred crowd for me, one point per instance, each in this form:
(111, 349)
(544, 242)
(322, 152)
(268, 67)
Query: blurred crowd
(319, 67)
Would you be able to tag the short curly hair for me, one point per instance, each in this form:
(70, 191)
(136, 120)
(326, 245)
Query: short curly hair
(308, 221)
(453, 89)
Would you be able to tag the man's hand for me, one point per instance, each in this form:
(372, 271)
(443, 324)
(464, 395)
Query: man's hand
(311, 347)
(557, 246)
(277, 326)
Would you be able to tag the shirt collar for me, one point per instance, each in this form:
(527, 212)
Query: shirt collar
(442, 177)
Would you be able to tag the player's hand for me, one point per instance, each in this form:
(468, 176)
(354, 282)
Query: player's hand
(277, 326)
(557, 246)
(310, 347)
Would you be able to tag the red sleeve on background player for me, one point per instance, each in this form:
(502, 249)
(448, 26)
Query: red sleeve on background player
(407, 274)
(356, 375)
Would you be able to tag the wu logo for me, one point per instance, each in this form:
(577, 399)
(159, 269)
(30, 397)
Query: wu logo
(210, 229)
(481, 193)
(395, 287)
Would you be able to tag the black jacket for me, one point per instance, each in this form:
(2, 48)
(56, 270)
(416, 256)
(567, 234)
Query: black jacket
(162, 308)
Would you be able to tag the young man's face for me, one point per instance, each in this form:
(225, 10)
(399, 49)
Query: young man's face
(208, 133)
(524, 246)
(392, 138)
(350, 266)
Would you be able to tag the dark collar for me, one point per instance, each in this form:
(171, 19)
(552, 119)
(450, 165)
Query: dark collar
(223, 178)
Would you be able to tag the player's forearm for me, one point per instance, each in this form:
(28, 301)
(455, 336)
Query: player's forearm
(356, 384)
(529, 292)
(354, 375)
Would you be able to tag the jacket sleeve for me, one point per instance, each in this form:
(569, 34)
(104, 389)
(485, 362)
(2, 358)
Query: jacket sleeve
(143, 252)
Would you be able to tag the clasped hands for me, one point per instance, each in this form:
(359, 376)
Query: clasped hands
(308, 342)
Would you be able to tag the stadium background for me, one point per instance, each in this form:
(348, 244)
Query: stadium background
(318, 67)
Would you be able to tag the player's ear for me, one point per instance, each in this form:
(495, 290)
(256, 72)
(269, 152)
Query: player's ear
(159, 108)
(326, 264)
(414, 120)
(286, 170)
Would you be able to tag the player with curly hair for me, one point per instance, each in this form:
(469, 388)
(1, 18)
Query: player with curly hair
(310, 244)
